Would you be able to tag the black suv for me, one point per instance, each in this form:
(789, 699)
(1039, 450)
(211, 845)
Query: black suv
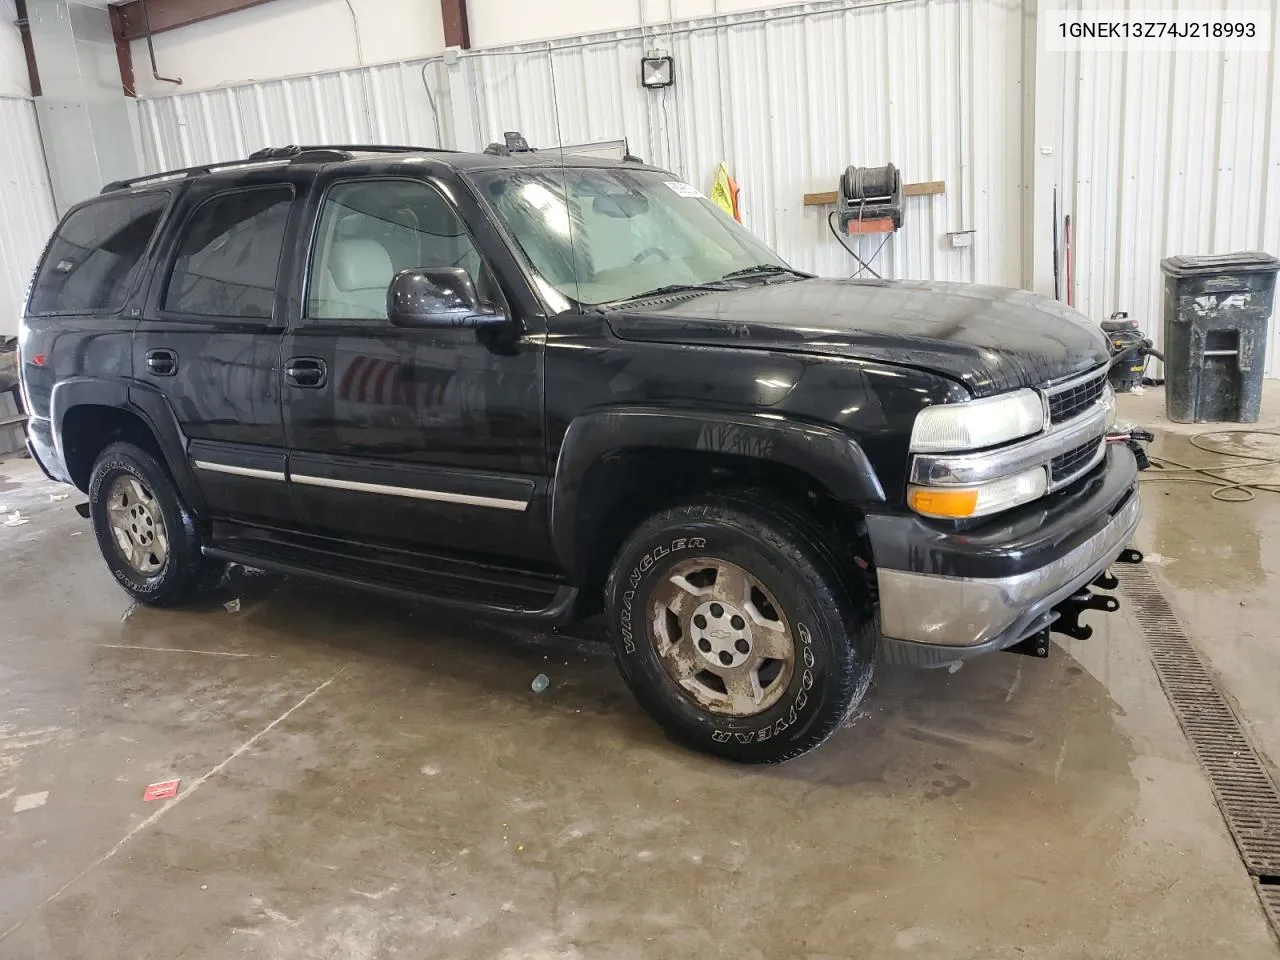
(540, 388)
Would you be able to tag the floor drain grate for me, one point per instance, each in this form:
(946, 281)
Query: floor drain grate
(1247, 796)
(1269, 894)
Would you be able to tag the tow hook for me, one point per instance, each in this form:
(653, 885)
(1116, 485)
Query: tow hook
(1069, 611)
(1066, 615)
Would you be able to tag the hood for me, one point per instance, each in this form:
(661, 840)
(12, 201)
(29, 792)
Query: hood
(989, 338)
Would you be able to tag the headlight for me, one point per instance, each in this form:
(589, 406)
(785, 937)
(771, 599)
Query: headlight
(975, 424)
(957, 503)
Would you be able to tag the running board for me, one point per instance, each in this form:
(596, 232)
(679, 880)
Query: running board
(504, 596)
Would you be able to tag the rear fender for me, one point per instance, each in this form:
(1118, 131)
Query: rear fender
(144, 402)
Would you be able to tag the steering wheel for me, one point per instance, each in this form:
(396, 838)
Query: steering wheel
(651, 252)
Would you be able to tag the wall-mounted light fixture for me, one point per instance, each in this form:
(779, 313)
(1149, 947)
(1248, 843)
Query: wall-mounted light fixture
(657, 70)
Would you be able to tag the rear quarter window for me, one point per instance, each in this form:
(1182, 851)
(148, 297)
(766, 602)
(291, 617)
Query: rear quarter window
(94, 256)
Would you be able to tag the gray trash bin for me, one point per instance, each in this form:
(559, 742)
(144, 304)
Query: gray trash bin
(1216, 310)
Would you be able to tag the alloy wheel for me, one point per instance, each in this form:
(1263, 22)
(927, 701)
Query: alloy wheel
(722, 637)
(137, 525)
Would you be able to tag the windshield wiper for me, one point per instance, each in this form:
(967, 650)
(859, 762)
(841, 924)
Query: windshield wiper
(714, 285)
(765, 269)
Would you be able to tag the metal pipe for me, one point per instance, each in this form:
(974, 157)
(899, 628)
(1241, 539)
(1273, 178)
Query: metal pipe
(151, 48)
(960, 117)
(435, 113)
(364, 84)
(355, 28)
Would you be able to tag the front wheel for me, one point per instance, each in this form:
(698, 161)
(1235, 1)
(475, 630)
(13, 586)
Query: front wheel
(735, 632)
(145, 532)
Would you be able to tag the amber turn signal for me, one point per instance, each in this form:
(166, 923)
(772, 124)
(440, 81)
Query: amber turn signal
(933, 502)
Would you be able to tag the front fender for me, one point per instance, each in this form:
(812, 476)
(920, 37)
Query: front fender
(831, 457)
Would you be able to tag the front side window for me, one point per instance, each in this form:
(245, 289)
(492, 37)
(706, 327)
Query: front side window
(369, 231)
(94, 256)
(229, 256)
(603, 234)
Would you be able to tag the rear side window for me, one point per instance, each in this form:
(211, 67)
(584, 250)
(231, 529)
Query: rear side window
(229, 255)
(94, 256)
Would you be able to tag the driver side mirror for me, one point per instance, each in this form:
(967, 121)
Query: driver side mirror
(437, 297)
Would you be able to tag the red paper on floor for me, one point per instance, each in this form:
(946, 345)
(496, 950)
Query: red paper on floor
(161, 791)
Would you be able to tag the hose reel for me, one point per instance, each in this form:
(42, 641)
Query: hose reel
(869, 193)
(869, 201)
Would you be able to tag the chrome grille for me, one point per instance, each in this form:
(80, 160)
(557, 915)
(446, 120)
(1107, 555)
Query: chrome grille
(1066, 465)
(1069, 399)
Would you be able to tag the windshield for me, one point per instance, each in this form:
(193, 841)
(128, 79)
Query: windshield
(635, 231)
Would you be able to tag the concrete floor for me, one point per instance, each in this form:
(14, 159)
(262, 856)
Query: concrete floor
(1219, 563)
(368, 779)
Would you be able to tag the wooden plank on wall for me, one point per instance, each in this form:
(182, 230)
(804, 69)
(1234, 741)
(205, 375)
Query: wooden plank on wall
(928, 188)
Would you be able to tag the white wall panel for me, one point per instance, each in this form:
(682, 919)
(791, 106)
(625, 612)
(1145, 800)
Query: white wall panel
(26, 207)
(1169, 153)
(788, 97)
(499, 22)
(288, 38)
(14, 81)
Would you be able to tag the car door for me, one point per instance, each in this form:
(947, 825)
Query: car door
(424, 439)
(209, 341)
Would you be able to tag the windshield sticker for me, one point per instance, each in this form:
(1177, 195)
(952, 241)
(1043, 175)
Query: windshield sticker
(684, 189)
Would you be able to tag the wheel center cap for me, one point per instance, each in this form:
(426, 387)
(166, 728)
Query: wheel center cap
(141, 526)
(721, 634)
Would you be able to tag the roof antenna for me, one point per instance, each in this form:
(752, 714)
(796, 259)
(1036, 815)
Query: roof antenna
(564, 181)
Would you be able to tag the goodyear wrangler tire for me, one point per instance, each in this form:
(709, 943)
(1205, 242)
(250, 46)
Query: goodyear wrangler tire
(146, 533)
(733, 629)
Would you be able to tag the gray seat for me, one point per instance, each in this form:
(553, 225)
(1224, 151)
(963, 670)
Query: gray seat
(355, 280)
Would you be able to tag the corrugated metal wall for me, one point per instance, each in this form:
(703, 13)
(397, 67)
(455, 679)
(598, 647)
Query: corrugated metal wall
(26, 206)
(1170, 153)
(390, 103)
(789, 97)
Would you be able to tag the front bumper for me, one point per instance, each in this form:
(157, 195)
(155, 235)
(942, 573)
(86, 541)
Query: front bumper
(948, 595)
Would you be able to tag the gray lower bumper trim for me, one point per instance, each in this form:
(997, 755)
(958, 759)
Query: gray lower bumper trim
(973, 616)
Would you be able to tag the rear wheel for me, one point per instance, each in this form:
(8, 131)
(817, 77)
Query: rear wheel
(146, 533)
(733, 628)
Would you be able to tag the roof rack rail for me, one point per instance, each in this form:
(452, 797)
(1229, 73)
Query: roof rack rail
(182, 172)
(293, 150)
(310, 152)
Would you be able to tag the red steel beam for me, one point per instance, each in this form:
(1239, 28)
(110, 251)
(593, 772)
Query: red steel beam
(457, 31)
(171, 14)
(24, 29)
(130, 23)
(124, 53)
